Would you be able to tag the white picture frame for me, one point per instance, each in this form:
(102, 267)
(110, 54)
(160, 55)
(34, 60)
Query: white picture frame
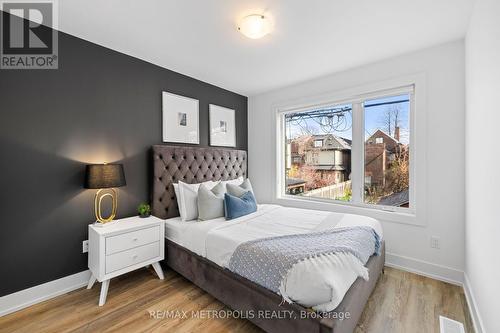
(180, 119)
(222, 126)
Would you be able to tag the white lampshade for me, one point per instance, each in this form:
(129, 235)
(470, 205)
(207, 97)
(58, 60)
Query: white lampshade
(255, 26)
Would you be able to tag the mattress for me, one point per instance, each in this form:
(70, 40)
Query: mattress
(321, 287)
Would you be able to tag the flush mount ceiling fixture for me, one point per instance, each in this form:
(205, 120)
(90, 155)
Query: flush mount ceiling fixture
(255, 26)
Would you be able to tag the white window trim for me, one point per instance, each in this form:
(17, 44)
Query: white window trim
(414, 215)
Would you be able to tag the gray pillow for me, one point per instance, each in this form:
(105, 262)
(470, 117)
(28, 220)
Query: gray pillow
(239, 190)
(210, 202)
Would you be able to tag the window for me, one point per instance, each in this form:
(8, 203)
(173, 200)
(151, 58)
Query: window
(323, 137)
(318, 143)
(355, 152)
(387, 162)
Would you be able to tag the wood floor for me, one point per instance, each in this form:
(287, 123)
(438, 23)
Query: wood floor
(401, 303)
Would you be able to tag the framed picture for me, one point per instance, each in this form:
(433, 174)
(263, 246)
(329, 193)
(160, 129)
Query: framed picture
(180, 119)
(222, 126)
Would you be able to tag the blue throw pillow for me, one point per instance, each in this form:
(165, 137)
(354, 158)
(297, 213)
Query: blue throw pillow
(235, 207)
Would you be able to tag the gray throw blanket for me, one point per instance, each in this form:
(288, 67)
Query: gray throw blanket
(267, 261)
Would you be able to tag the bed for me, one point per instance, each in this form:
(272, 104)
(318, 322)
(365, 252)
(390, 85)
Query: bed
(199, 251)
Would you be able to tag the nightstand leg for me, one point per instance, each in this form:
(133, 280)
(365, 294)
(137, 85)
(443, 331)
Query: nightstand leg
(104, 292)
(158, 270)
(91, 281)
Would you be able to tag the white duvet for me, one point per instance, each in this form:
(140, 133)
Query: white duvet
(320, 283)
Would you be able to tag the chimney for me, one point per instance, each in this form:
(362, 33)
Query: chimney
(396, 133)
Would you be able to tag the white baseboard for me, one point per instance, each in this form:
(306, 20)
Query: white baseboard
(24, 298)
(471, 302)
(420, 267)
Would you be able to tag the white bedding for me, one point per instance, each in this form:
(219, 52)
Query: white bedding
(320, 283)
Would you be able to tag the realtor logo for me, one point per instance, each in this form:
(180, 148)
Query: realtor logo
(29, 34)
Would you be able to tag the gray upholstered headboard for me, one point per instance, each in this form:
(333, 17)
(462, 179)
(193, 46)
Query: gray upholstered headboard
(190, 165)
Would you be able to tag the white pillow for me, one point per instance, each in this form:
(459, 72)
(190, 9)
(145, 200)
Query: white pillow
(187, 199)
(237, 181)
(239, 190)
(210, 202)
(177, 196)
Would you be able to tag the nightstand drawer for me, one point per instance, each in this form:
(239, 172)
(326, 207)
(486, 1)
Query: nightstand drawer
(131, 257)
(133, 239)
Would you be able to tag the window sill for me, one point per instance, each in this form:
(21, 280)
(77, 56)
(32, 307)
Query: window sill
(350, 208)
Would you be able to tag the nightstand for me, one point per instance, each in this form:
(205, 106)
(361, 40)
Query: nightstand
(123, 246)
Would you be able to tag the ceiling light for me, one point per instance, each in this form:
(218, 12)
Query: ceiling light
(255, 26)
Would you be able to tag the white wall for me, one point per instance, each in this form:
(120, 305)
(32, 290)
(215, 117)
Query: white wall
(408, 245)
(483, 161)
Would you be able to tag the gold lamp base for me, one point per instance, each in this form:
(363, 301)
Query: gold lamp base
(99, 196)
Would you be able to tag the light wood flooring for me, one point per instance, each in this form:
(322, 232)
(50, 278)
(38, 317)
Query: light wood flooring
(401, 303)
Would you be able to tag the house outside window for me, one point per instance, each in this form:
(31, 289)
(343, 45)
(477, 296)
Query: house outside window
(355, 153)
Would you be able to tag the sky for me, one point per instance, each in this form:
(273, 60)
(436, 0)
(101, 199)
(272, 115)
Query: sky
(374, 119)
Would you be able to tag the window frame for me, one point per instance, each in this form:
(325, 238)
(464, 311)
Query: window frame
(415, 214)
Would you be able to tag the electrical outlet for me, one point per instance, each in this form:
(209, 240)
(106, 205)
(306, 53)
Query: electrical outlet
(85, 246)
(435, 242)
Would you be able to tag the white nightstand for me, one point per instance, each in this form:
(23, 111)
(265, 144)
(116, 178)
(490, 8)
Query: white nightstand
(123, 246)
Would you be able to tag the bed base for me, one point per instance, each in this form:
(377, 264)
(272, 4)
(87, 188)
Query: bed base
(240, 294)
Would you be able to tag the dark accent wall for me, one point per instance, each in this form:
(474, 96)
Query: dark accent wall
(99, 106)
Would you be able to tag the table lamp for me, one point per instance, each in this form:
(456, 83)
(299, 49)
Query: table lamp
(104, 177)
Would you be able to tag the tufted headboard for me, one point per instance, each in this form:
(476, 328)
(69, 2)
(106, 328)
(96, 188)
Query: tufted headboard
(190, 165)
